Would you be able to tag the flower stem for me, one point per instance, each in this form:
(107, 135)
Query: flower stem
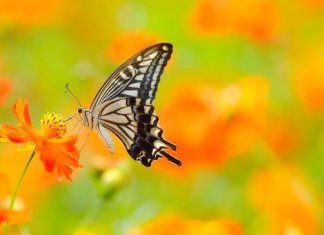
(91, 215)
(14, 194)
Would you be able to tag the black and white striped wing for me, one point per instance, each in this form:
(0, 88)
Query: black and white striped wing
(123, 106)
(138, 77)
(135, 123)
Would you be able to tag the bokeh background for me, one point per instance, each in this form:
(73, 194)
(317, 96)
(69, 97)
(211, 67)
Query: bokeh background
(242, 97)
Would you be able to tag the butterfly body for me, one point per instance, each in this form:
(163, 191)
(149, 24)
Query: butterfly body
(124, 107)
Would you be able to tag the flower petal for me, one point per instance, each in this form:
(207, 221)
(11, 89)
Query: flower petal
(3, 215)
(21, 111)
(9, 133)
(60, 154)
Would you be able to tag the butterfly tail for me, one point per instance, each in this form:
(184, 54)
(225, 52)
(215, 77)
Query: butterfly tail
(171, 158)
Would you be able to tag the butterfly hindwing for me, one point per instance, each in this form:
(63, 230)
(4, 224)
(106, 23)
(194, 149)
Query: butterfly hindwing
(137, 77)
(134, 122)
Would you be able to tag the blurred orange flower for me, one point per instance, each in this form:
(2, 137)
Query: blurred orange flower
(124, 46)
(314, 3)
(258, 20)
(19, 214)
(285, 199)
(180, 226)
(216, 123)
(5, 88)
(309, 80)
(283, 136)
(27, 11)
(55, 151)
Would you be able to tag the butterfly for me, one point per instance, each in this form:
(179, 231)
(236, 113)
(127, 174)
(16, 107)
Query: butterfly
(123, 106)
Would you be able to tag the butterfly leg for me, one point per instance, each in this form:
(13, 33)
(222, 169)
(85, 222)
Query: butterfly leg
(86, 138)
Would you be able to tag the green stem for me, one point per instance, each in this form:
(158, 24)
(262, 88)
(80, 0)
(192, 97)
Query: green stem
(91, 215)
(14, 194)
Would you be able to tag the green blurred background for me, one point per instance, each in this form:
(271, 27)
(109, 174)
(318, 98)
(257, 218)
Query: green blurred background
(242, 97)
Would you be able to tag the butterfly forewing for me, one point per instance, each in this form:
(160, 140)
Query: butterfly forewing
(123, 106)
(137, 77)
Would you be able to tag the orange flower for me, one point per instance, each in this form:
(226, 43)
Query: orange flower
(19, 214)
(54, 150)
(27, 11)
(177, 225)
(124, 46)
(258, 20)
(217, 123)
(309, 80)
(5, 88)
(314, 3)
(283, 136)
(3, 216)
(285, 199)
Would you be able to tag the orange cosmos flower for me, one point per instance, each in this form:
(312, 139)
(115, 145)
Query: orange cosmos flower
(285, 200)
(255, 19)
(126, 45)
(283, 136)
(28, 12)
(314, 3)
(5, 88)
(308, 79)
(180, 226)
(217, 122)
(55, 151)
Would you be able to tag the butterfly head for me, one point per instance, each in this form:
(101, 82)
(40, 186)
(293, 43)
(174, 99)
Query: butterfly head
(85, 116)
(80, 110)
(82, 114)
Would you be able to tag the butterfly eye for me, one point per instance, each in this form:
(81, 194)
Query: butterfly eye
(80, 110)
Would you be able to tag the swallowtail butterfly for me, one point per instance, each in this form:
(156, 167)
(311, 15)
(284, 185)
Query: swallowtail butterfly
(124, 107)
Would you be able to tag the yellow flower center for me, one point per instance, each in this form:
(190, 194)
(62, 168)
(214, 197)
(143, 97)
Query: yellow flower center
(53, 125)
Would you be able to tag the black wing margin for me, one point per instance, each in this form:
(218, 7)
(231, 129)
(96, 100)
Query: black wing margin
(138, 77)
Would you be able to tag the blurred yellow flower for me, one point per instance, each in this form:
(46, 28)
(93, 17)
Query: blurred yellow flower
(84, 231)
(285, 199)
(55, 151)
(110, 177)
(180, 226)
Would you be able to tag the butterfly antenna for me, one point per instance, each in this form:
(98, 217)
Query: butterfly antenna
(67, 121)
(69, 91)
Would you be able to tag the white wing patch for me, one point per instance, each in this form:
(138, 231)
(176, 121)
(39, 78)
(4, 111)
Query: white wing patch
(135, 85)
(143, 69)
(133, 93)
(152, 56)
(145, 63)
(139, 78)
